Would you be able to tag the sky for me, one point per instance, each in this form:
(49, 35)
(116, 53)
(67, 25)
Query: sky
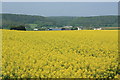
(61, 8)
(60, 0)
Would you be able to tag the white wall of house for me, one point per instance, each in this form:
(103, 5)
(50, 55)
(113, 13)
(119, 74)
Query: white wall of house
(79, 28)
(68, 26)
(35, 29)
(97, 28)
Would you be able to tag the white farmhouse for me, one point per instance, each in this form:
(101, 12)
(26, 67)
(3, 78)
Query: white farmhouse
(35, 29)
(97, 28)
(68, 26)
(79, 28)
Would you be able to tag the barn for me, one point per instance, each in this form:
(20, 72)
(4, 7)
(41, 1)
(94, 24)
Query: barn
(97, 28)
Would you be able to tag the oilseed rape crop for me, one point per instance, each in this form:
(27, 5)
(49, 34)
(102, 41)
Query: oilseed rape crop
(60, 54)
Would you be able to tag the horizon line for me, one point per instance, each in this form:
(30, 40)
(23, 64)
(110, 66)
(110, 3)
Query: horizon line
(61, 16)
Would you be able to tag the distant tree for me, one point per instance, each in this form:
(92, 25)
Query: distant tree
(63, 29)
(74, 28)
(21, 27)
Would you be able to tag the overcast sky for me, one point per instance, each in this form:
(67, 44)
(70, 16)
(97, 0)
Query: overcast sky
(60, 0)
(61, 8)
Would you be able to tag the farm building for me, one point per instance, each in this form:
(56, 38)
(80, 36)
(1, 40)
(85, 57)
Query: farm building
(97, 28)
(35, 29)
(68, 26)
(54, 29)
(78, 28)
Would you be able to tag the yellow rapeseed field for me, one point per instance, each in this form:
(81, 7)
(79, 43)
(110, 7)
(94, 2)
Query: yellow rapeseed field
(60, 54)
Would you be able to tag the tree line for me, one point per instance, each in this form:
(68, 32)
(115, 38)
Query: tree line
(10, 20)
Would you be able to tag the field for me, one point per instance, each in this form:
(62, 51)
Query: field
(60, 54)
(111, 28)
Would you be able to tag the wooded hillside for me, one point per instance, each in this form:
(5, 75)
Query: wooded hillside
(9, 20)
